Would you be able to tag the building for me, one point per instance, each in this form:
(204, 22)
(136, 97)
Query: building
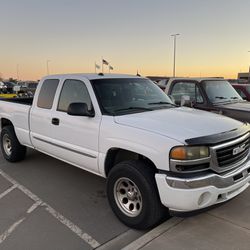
(244, 76)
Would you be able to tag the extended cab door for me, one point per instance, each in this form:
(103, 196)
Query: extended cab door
(41, 115)
(75, 138)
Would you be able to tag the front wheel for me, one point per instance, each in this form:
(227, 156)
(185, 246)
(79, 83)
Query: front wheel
(133, 195)
(12, 150)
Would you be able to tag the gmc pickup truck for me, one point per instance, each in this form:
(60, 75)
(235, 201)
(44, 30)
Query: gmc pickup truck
(210, 94)
(158, 158)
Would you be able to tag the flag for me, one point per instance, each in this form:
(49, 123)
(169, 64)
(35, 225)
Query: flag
(105, 62)
(110, 67)
(97, 66)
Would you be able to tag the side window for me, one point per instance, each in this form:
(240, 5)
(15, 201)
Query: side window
(47, 93)
(186, 88)
(241, 93)
(73, 91)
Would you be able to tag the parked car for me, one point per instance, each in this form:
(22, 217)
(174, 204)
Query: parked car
(243, 90)
(9, 87)
(210, 94)
(26, 88)
(3, 88)
(163, 83)
(154, 154)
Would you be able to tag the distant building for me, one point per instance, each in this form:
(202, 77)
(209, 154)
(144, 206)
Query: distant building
(244, 76)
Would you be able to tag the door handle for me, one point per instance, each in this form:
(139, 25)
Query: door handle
(55, 121)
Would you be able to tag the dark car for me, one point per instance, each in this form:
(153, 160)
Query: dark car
(243, 90)
(210, 94)
(9, 87)
(26, 88)
(163, 83)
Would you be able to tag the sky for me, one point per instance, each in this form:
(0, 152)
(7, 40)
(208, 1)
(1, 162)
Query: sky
(130, 34)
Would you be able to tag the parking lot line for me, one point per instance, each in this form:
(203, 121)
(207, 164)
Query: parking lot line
(7, 191)
(38, 202)
(8, 232)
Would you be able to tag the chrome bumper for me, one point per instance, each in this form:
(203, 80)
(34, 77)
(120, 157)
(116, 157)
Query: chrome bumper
(213, 179)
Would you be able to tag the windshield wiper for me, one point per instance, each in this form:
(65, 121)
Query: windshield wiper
(162, 103)
(234, 97)
(134, 108)
(220, 97)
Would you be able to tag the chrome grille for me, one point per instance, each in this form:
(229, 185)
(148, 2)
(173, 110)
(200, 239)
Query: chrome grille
(234, 153)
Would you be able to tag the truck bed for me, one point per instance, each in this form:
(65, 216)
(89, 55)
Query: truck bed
(25, 100)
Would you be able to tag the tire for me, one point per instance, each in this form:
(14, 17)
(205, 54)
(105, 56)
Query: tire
(12, 150)
(133, 195)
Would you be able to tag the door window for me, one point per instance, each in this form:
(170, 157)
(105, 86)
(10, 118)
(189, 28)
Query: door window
(241, 93)
(73, 91)
(47, 93)
(188, 89)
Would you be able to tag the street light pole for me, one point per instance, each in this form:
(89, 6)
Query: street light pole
(174, 35)
(48, 67)
(17, 72)
(248, 71)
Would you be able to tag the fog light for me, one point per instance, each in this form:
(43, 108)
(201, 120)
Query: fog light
(204, 199)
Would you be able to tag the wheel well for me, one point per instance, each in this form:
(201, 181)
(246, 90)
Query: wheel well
(116, 155)
(5, 122)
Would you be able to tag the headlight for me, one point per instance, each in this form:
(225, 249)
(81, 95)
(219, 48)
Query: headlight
(189, 153)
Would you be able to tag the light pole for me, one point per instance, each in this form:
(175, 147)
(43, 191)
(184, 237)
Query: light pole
(249, 71)
(17, 71)
(48, 66)
(174, 35)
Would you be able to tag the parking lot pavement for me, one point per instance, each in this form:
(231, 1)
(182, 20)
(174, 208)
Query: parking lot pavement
(48, 204)
(224, 227)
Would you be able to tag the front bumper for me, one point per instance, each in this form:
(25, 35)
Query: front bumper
(189, 194)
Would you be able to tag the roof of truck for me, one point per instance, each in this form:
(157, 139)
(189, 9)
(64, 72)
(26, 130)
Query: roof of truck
(93, 76)
(198, 79)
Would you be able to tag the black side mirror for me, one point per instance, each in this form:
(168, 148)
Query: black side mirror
(79, 109)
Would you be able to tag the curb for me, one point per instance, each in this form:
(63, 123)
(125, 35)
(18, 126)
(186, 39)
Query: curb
(153, 234)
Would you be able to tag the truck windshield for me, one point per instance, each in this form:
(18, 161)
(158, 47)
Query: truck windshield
(220, 91)
(129, 95)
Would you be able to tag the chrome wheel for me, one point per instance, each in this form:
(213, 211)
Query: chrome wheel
(128, 197)
(7, 145)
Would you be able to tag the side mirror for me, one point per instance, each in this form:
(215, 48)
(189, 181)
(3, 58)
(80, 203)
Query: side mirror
(186, 101)
(79, 109)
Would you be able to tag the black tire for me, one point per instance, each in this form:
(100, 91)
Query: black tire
(14, 151)
(148, 211)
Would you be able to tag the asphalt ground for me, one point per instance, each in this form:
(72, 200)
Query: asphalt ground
(223, 227)
(48, 204)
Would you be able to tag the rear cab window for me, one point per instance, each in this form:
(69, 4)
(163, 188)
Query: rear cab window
(47, 93)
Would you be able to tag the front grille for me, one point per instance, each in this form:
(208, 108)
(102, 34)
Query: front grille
(228, 155)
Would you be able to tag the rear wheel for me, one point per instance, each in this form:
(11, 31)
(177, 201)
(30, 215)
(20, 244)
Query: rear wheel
(133, 195)
(12, 150)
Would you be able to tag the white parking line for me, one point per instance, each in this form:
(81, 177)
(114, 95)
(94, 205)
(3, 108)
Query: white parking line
(8, 232)
(38, 202)
(87, 238)
(33, 207)
(7, 191)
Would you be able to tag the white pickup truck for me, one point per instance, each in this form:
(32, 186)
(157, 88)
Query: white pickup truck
(157, 157)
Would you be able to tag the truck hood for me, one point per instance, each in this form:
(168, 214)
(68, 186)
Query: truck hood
(239, 106)
(179, 123)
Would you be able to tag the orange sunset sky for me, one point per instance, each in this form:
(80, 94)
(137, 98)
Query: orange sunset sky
(131, 35)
